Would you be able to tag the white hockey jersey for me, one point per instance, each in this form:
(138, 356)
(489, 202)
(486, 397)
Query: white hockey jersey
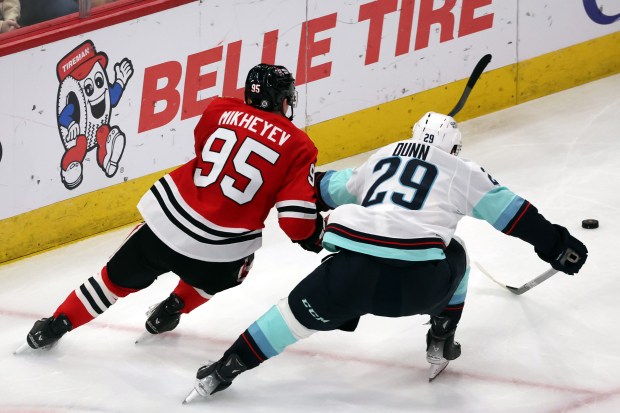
(405, 202)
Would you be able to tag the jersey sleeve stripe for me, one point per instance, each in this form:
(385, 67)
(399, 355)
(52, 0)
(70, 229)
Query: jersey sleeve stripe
(498, 207)
(299, 212)
(512, 224)
(296, 204)
(297, 215)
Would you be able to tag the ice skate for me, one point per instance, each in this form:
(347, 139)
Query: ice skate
(46, 332)
(440, 346)
(162, 317)
(434, 355)
(214, 377)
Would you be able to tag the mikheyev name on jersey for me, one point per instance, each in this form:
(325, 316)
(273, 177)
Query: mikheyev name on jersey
(254, 124)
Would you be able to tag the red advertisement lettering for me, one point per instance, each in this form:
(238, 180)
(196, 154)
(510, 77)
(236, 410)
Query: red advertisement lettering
(375, 12)
(171, 71)
(405, 24)
(429, 16)
(231, 72)
(195, 82)
(305, 71)
(270, 43)
(468, 24)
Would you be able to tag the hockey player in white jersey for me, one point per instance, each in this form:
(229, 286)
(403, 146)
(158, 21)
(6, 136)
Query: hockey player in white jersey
(392, 233)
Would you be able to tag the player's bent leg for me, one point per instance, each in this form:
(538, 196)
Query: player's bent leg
(192, 290)
(322, 300)
(443, 326)
(265, 338)
(166, 315)
(440, 344)
(81, 306)
(92, 298)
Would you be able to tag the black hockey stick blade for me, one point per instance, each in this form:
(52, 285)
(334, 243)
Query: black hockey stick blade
(473, 78)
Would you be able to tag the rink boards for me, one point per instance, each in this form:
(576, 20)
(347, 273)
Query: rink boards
(364, 73)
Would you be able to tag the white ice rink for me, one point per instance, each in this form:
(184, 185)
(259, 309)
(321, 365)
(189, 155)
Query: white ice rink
(554, 349)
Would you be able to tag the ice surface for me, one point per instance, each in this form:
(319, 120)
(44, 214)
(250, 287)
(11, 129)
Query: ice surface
(554, 349)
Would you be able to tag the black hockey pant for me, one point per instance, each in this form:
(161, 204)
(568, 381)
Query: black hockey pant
(144, 257)
(348, 285)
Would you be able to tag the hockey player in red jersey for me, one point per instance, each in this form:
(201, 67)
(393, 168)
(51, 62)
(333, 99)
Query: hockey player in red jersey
(203, 221)
(392, 233)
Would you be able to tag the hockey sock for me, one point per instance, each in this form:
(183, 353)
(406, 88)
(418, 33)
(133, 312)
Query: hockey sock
(453, 312)
(91, 299)
(268, 336)
(192, 297)
(248, 351)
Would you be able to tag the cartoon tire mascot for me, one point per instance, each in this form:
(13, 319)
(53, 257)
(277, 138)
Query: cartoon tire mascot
(84, 107)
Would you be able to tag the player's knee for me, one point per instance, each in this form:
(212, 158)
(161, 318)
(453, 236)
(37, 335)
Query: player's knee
(294, 324)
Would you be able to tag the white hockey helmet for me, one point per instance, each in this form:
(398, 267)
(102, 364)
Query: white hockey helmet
(440, 131)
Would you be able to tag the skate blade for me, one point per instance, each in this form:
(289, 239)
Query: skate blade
(145, 337)
(191, 396)
(436, 370)
(21, 349)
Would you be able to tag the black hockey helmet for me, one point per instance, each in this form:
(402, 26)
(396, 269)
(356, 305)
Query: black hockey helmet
(267, 86)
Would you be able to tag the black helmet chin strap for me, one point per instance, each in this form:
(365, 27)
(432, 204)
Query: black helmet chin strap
(292, 110)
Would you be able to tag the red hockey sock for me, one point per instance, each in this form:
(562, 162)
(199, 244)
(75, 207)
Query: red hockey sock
(192, 297)
(91, 299)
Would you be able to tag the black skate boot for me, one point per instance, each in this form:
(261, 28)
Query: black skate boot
(215, 377)
(440, 345)
(165, 316)
(46, 332)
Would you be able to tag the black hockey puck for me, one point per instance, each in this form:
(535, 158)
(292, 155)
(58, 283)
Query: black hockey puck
(589, 223)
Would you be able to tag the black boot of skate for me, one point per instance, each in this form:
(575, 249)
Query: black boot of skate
(440, 345)
(46, 332)
(215, 377)
(165, 316)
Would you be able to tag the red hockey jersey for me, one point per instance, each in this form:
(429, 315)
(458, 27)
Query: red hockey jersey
(247, 161)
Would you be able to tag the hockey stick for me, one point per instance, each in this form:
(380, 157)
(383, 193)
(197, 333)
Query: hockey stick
(531, 284)
(569, 255)
(473, 78)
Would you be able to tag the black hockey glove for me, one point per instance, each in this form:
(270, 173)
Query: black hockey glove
(568, 255)
(314, 242)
